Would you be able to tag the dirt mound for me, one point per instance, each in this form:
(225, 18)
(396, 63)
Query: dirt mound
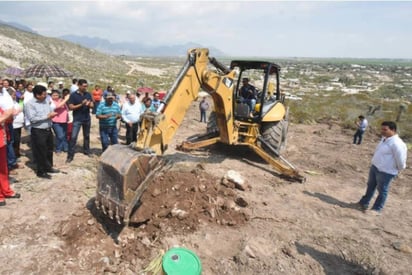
(175, 203)
(180, 200)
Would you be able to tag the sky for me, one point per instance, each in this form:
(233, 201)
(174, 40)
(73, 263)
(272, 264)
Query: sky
(238, 28)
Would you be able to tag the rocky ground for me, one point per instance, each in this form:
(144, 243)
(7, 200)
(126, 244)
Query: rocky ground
(272, 226)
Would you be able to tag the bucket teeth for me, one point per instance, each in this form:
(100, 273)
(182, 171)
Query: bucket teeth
(117, 215)
(118, 219)
(97, 203)
(104, 209)
(111, 214)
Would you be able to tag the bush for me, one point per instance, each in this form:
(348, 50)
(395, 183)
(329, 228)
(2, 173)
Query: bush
(345, 109)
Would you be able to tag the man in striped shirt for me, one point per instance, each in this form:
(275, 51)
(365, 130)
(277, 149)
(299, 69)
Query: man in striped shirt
(108, 113)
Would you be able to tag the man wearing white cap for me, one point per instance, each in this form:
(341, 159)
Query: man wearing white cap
(60, 87)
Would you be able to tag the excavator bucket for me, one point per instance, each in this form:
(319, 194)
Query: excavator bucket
(123, 175)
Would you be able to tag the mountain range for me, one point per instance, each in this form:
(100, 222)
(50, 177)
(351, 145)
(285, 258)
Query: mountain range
(122, 48)
(134, 48)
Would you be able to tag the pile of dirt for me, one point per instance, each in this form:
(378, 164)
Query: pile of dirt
(180, 200)
(175, 203)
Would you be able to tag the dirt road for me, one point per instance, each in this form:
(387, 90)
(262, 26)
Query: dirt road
(280, 227)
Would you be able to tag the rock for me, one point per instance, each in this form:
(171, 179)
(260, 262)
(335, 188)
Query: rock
(66, 229)
(402, 247)
(231, 223)
(163, 213)
(212, 212)
(229, 204)
(249, 252)
(220, 201)
(288, 252)
(241, 202)
(146, 241)
(110, 269)
(200, 166)
(105, 260)
(237, 179)
(179, 213)
(77, 213)
(240, 259)
(227, 183)
(202, 188)
(156, 192)
(90, 222)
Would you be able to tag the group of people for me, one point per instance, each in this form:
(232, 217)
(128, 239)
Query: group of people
(53, 118)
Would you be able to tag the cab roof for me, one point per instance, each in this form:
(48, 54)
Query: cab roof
(253, 64)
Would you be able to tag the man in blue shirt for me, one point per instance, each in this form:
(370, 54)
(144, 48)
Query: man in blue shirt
(248, 93)
(108, 113)
(80, 102)
(39, 113)
(156, 101)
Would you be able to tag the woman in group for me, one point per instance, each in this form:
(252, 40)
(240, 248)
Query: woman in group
(60, 121)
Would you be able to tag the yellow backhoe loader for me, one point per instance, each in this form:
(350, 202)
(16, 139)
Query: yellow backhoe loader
(124, 172)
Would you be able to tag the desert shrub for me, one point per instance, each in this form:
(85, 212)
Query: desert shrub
(344, 110)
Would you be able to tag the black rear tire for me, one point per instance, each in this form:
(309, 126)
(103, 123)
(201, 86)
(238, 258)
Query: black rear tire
(275, 133)
(212, 124)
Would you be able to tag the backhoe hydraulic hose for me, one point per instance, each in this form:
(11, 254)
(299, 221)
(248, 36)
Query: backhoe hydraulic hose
(219, 65)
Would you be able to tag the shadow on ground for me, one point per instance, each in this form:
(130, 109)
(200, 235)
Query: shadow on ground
(332, 200)
(110, 227)
(333, 264)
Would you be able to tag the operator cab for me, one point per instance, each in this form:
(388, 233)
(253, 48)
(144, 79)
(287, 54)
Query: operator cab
(257, 89)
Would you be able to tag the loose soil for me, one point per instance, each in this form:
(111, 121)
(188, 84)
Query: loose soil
(274, 226)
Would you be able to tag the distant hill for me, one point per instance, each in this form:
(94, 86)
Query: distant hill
(20, 48)
(18, 26)
(134, 48)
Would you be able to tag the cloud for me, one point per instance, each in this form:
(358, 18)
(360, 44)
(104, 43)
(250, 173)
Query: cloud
(266, 28)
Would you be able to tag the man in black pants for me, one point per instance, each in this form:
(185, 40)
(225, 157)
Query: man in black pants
(40, 113)
(80, 102)
(131, 112)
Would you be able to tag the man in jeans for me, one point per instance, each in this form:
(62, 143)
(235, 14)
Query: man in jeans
(248, 93)
(203, 107)
(362, 125)
(389, 159)
(108, 113)
(80, 102)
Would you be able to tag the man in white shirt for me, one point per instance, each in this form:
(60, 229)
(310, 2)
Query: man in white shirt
(74, 87)
(28, 95)
(131, 111)
(389, 159)
(362, 124)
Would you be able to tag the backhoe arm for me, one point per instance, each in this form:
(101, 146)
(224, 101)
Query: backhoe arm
(158, 129)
